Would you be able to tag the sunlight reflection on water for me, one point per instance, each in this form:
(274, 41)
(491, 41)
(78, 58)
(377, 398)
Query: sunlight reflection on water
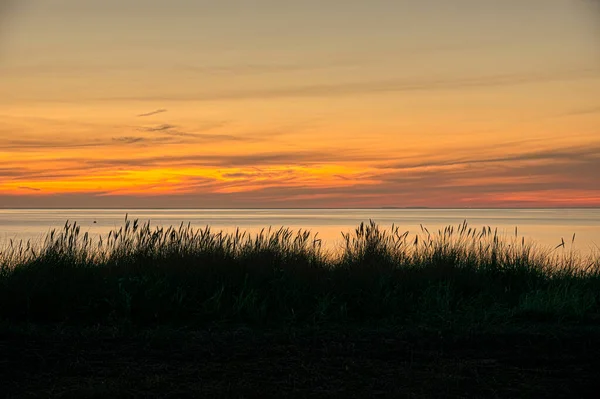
(545, 226)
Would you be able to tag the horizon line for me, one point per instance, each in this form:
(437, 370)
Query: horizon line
(307, 208)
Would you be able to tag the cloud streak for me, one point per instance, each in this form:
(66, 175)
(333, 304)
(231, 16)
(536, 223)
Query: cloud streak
(582, 111)
(378, 86)
(591, 151)
(158, 111)
(535, 174)
(160, 134)
(169, 130)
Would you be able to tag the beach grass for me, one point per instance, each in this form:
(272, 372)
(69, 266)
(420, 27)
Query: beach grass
(144, 275)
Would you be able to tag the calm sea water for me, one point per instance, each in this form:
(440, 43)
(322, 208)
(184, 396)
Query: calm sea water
(545, 226)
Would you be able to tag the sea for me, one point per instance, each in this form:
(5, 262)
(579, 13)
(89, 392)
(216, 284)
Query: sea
(546, 227)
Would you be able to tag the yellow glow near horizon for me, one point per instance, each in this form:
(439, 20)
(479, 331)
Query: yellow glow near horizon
(463, 103)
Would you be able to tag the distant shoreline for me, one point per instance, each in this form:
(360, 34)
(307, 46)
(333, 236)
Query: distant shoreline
(329, 209)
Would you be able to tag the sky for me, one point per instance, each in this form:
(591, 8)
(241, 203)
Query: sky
(313, 103)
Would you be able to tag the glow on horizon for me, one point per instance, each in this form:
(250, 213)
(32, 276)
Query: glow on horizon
(238, 104)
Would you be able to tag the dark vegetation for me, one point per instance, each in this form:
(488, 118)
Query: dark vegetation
(184, 276)
(156, 312)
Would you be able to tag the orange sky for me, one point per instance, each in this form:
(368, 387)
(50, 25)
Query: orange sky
(313, 104)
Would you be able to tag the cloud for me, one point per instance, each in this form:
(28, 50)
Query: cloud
(571, 170)
(165, 133)
(379, 86)
(306, 158)
(28, 188)
(340, 61)
(477, 185)
(42, 144)
(349, 60)
(11, 172)
(251, 69)
(342, 177)
(167, 130)
(36, 143)
(267, 179)
(173, 130)
(239, 175)
(582, 111)
(129, 139)
(232, 160)
(56, 174)
(565, 154)
(160, 128)
(158, 111)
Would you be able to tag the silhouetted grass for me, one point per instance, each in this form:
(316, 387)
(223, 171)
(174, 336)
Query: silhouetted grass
(186, 276)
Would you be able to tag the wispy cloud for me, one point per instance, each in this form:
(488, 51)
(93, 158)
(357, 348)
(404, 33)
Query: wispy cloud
(158, 111)
(6, 173)
(159, 128)
(272, 66)
(231, 160)
(37, 143)
(29, 188)
(379, 86)
(159, 134)
(582, 111)
(239, 175)
(555, 154)
(129, 139)
(342, 177)
(175, 131)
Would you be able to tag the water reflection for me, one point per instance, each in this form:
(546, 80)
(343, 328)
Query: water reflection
(545, 226)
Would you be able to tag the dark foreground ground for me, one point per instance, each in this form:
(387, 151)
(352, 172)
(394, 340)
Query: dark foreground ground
(237, 362)
(460, 314)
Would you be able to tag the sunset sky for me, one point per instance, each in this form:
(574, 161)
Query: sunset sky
(312, 103)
